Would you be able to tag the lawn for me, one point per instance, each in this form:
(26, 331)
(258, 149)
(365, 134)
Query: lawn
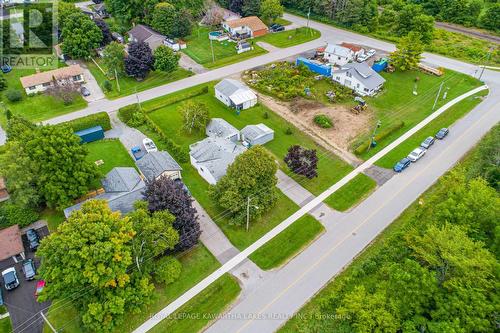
(196, 264)
(282, 21)
(351, 193)
(290, 37)
(111, 152)
(5, 325)
(129, 85)
(53, 218)
(198, 48)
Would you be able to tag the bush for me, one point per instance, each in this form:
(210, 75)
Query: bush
(288, 131)
(126, 113)
(98, 119)
(363, 147)
(323, 121)
(167, 270)
(14, 95)
(11, 214)
(107, 86)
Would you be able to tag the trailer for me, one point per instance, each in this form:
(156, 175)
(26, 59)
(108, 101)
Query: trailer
(91, 134)
(315, 66)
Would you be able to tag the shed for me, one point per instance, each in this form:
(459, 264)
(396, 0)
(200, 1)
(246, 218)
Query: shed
(11, 244)
(235, 94)
(91, 134)
(257, 134)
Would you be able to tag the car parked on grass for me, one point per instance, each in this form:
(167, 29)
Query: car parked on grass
(39, 287)
(85, 91)
(416, 154)
(401, 165)
(29, 269)
(427, 142)
(10, 279)
(276, 27)
(33, 239)
(442, 133)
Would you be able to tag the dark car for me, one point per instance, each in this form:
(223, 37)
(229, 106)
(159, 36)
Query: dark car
(427, 142)
(276, 27)
(85, 92)
(29, 269)
(401, 165)
(442, 133)
(10, 279)
(33, 239)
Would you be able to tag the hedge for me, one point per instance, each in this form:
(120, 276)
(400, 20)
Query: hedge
(11, 214)
(98, 119)
(181, 154)
(383, 134)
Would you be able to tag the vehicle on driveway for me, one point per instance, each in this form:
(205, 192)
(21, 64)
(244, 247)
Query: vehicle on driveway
(137, 152)
(276, 27)
(10, 279)
(442, 133)
(85, 91)
(416, 154)
(149, 145)
(427, 143)
(33, 239)
(370, 53)
(362, 57)
(401, 165)
(29, 269)
(39, 287)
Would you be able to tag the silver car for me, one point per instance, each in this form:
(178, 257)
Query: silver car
(416, 154)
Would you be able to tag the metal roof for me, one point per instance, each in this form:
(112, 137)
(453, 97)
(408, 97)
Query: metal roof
(121, 179)
(253, 132)
(236, 91)
(218, 127)
(338, 50)
(155, 163)
(363, 73)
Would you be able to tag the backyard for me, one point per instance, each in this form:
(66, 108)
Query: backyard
(289, 38)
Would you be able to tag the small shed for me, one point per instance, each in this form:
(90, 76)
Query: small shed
(235, 94)
(257, 134)
(91, 134)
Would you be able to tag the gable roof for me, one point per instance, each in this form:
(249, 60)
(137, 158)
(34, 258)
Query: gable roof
(353, 47)
(253, 132)
(155, 163)
(44, 77)
(237, 91)
(10, 242)
(253, 22)
(121, 179)
(363, 73)
(99, 7)
(338, 50)
(218, 127)
(142, 32)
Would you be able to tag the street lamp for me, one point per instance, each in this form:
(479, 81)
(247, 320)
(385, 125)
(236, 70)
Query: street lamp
(248, 210)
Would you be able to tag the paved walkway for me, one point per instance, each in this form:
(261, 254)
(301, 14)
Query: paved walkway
(268, 47)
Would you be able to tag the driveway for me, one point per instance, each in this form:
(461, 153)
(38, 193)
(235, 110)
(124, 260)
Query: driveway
(91, 83)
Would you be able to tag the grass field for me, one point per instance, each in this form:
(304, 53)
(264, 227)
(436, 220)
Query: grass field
(198, 49)
(351, 193)
(129, 85)
(290, 37)
(112, 152)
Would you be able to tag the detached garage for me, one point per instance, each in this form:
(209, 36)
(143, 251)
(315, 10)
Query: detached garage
(235, 94)
(256, 134)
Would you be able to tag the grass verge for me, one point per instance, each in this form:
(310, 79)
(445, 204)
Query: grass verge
(289, 38)
(351, 193)
(5, 325)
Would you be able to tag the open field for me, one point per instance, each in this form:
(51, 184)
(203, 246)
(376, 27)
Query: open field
(289, 38)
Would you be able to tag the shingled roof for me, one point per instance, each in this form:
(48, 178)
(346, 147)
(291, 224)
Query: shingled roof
(155, 163)
(253, 22)
(10, 242)
(48, 76)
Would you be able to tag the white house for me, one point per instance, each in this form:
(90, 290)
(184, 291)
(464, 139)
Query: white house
(219, 128)
(175, 45)
(246, 27)
(360, 77)
(235, 94)
(42, 81)
(338, 55)
(256, 135)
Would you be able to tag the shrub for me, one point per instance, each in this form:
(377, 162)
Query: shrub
(323, 121)
(363, 147)
(126, 113)
(11, 214)
(265, 115)
(14, 95)
(180, 153)
(98, 119)
(138, 119)
(107, 86)
(167, 270)
(288, 131)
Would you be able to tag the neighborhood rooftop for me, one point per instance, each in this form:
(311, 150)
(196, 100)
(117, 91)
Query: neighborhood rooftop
(254, 132)
(142, 32)
(363, 73)
(10, 242)
(237, 91)
(253, 22)
(338, 50)
(218, 127)
(353, 47)
(122, 179)
(48, 76)
(154, 164)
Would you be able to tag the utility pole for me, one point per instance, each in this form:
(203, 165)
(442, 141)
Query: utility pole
(484, 66)
(308, 15)
(372, 142)
(48, 322)
(137, 98)
(437, 96)
(117, 83)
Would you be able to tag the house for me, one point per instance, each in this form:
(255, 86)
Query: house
(100, 10)
(41, 81)
(4, 194)
(243, 46)
(256, 135)
(159, 163)
(219, 128)
(142, 33)
(360, 77)
(235, 94)
(356, 49)
(123, 187)
(338, 55)
(212, 156)
(246, 27)
(11, 244)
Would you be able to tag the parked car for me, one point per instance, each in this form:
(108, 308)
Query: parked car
(85, 91)
(416, 154)
(401, 165)
(33, 239)
(10, 279)
(427, 142)
(39, 287)
(149, 145)
(362, 57)
(442, 133)
(370, 53)
(29, 269)
(276, 27)
(6, 68)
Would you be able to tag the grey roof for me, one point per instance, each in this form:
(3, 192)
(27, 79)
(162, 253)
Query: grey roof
(253, 132)
(99, 7)
(218, 127)
(142, 32)
(215, 154)
(230, 86)
(121, 179)
(338, 50)
(363, 73)
(154, 164)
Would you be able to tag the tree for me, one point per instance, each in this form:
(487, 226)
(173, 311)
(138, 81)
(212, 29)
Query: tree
(90, 254)
(3, 83)
(491, 18)
(165, 194)
(107, 37)
(166, 60)
(302, 161)
(184, 24)
(270, 10)
(65, 90)
(164, 18)
(114, 59)
(252, 175)
(408, 53)
(214, 14)
(251, 8)
(195, 116)
(236, 6)
(64, 10)
(167, 270)
(139, 61)
(80, 36)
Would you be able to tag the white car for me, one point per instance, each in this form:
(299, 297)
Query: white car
(370, 53)
(416, 154)
(149, 145)
(362, 57)
(10, 279)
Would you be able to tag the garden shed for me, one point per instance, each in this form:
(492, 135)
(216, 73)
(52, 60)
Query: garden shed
(257, 134)
(91, 134)
(235, 94)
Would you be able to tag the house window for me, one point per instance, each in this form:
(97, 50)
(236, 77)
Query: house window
(339, 58)
(202, 169)
(357, 85)
(32, 88)
(46, 84)
(77, 78)
(366, 89)
(337, 78)
(348, 74)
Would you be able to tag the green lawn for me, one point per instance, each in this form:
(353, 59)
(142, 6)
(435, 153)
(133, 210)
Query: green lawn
(444, 120)
(53, 218)
(196, 264)
(288, 243)
(200, 311)
(351, 193)
(198, 48)
(290, 38)
(5, 325)
(282, 21)
(112, 152)
(129, 85)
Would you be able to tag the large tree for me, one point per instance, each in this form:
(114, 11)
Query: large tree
(165, 194)
(252, 176)
(408, 53)
(270, 10)
(195, 116)
(80, 36)
(166, 60)
(64, 10)
(251, 8)
(491, 17)
(106, 32)
(302, 161)
(139, 61)
(164, 18)
(87, 260)
(114, 59)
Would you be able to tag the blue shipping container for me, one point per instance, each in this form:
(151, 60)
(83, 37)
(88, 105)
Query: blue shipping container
(91, 134)
(324, 70)
(379, 66)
